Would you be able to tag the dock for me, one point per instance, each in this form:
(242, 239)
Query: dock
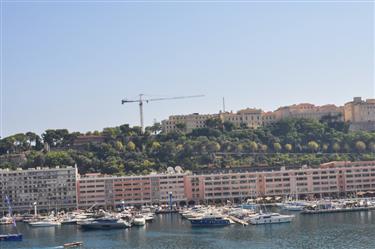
(339, 210)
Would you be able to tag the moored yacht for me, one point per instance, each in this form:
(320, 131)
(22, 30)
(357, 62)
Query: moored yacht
(45, 223)
(270, 218)
(139, 220)
(6, 220)
(210, 219)
(104, 223)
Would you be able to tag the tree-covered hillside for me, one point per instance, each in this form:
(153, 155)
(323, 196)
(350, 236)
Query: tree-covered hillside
(125, 150)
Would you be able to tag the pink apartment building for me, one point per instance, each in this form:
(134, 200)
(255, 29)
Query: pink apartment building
(111, 191)
(333, 178)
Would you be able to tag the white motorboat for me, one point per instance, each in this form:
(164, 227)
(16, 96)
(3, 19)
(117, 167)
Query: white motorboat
(45, 223)
(104, 223)
(6, 220)
(270, 218)
(148, 217)
(139, 220)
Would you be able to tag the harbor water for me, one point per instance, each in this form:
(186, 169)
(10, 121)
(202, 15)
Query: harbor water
(336, 230)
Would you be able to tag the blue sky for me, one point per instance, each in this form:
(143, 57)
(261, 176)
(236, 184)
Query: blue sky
(69, 64)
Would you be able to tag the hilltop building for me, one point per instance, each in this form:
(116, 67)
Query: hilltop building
(309, 111)
(360, 114)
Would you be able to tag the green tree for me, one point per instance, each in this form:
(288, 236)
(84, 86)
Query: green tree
(313, 146)
(228, 126)
(119, 146)
(336, 147)
(263, 148)
(372, 146)
(181, 127)
(214, 123)
(58, 158)
(253, 146)
(131, 146)
(360, 146)
(288, 147)
(277, 147)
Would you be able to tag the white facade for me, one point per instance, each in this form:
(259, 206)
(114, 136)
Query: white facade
(50, 188)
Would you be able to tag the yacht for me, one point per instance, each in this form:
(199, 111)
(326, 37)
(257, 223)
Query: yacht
(293, 207)
(209, 220)
(6, 220)
(148, 217)
(45, 223)
(104, 223)
(270, 218)
(69, 221)
(139, 220)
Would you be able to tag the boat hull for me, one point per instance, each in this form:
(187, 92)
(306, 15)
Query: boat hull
(208, 223)
(139, 222)
(103, 226)
(39, 224)
(11, 237)
(255, 221)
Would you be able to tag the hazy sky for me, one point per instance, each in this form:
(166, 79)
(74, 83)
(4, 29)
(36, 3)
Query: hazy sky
(69, 64)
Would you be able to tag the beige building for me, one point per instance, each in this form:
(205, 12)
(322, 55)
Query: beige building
(359, 113)
(191, 121)
(309, 111)
(359, 110)
(252, 118)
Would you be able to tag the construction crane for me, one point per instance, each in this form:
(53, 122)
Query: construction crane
(141, 100)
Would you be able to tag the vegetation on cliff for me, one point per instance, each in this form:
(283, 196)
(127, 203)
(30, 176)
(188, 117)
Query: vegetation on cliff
(125, 150)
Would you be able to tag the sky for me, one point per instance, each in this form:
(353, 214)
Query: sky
(68, 64)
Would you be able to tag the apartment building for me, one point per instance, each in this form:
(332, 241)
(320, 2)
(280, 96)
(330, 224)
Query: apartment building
(334, 178)
(95, 189)
(49, 188)
(62, 188)
(113, 191)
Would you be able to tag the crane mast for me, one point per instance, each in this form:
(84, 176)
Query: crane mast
(141, 111)
(141, 100)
